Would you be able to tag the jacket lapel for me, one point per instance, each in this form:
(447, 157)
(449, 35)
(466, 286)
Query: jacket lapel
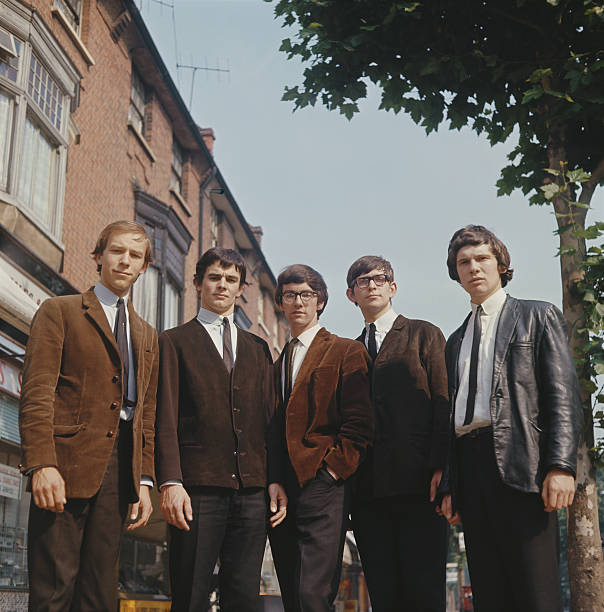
(136, 335)
(392, 338)
(455, 348)
(95, 313)
(313, 357)
(505, 329)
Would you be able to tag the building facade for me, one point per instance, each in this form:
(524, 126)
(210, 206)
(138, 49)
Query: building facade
(93, 129)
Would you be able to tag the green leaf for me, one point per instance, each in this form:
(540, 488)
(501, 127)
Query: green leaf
(550, 190)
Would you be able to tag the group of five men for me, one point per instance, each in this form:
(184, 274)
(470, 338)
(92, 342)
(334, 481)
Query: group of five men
(395, 429)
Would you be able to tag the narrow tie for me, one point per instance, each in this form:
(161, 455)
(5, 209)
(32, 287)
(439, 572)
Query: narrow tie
(473, 381)
(121, 338)
(289, 369)
(227, 347)
(371, 343)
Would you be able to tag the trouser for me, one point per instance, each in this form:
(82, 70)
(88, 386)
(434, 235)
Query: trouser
(229, 525)
(403, 548)
(512, 544)
(307, 547)
(72, 555)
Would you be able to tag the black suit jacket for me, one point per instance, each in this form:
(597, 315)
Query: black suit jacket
(409, 394)
(213, 426)
(535, 402)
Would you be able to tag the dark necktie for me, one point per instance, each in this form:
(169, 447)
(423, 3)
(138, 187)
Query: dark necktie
(121, 338)
(289, 369)
(227, 346)
(473, 381)
(371, 343)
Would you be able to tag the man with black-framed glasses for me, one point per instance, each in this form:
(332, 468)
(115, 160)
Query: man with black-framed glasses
(401, 539)
(325, 409)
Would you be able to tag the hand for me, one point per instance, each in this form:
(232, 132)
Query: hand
(48, 488)
(176, 506)
(278, 503)
(436, 478)
(446, 509)
(141, 509)
(558, 490)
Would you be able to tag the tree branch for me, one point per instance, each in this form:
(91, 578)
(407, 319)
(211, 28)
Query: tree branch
(597, 176)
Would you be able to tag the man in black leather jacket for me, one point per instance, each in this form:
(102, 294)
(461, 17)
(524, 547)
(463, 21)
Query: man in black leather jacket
(515, 425)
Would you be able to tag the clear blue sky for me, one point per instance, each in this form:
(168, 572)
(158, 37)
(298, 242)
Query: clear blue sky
(326, 190)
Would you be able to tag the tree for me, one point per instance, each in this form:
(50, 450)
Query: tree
(531, 69)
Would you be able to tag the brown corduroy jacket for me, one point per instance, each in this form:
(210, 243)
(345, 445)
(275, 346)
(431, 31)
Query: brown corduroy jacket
(328, 417)
(410, 401)
(72, 392)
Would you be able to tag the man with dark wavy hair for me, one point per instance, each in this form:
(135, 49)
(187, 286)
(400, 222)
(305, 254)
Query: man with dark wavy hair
(325, 409)
(515, 429)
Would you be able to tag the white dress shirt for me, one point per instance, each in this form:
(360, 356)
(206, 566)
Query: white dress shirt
(212, 323)
(300, 349)
(491, 311)
(382, 326)
(108, 301)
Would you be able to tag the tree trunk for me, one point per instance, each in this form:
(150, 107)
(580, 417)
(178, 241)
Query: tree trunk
(585, 562)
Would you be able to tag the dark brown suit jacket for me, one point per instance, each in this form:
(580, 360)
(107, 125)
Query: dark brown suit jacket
(72, 392)
(213, 429)
(410, 400)
(329, 416)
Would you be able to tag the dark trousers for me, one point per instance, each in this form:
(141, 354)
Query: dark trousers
(403, 549)
(72, 556)
(307, 547)
(228, 524)
(512, 544)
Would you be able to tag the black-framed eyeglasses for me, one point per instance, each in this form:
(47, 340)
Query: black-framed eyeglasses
(362, 282)
(289, 297)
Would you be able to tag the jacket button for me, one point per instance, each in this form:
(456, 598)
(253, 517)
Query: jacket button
(110, 434)
(233, 476)
(114, 405)
(235, 453)
(115, 378)
(239, 430)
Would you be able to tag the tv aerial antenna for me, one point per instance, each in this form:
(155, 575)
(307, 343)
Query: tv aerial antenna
(194, 68)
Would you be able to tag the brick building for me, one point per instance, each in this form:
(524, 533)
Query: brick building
(93, 129)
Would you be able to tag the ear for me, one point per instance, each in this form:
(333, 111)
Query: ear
(320, 306)
(239, 291)
(350, 295)
(393, 289)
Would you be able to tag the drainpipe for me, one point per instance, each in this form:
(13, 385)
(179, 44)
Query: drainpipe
(202, 188)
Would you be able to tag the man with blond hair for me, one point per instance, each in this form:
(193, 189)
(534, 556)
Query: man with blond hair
(86, 418)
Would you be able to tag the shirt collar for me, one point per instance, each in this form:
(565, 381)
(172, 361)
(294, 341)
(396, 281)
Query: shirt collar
(384, 323)
(493, 304)
(307, 336)
(209, 317)
(107, 297)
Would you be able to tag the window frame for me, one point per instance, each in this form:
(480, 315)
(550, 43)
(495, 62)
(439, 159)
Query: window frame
(34, 40)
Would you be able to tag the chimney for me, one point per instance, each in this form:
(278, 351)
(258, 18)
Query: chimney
(208, 137)
(257, 231)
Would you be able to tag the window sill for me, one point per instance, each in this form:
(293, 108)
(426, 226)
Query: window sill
(181, 201)
(142, 141)
(56, 12)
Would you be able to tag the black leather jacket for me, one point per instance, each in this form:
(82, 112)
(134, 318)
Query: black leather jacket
(535, 401)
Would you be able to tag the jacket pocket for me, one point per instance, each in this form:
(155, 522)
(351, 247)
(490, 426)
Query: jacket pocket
(67, 431)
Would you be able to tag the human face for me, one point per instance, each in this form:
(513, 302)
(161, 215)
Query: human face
(373, 301)
(122, 261)
(300, 316)
(219, 288)
(478, 271)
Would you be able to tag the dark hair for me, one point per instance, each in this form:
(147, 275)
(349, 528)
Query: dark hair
(225, 258)
(299, 273)
(366, 264)
(475, 235)
(121, 227)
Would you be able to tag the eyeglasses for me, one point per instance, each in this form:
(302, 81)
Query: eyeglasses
(379, 280)
(289, 297)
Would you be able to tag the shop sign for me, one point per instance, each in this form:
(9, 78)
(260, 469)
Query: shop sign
(10, 378)
(10, 481)
(30, 290)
